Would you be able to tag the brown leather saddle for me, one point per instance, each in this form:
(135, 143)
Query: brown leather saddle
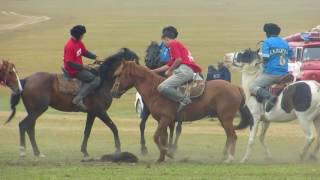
(68, 85)
(193, 88)
(277, 88)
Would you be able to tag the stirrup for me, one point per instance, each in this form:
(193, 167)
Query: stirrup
(81, 106)
(271, 103)
(183, 104)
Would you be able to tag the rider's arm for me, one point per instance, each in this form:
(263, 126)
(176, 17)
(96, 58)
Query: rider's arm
(175, 64)
(161, 69)
(90, 55)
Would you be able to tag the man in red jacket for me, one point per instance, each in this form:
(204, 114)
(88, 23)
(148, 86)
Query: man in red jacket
(181, 68)
(74, 49)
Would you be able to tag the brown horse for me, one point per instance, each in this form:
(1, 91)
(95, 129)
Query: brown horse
(9, 76)
(41, 91)
(219, 96)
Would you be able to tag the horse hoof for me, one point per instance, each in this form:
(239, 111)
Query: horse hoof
(268, 159)
(301, 157)
(85, 154)
(117, 151)
(313, 157)
(144, 151)
(160, 160)
(23, 155)
(170, 154)
(228, 161)
(244, 160)
(41, 155)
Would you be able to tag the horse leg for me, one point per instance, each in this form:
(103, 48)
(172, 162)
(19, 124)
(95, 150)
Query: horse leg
(264, 127)
(159, 138)
(31, 120)
(144, 117)
(86, 133)
(107, 121)
(305, 125)
(252, 137)
(31, 134)
(22, 129)
(231, 139)
(316, 123)
(178, 133)
(171, 149)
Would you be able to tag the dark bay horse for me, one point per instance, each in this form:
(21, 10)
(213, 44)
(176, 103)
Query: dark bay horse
(9, 76)
(219, 96)
(41, 91)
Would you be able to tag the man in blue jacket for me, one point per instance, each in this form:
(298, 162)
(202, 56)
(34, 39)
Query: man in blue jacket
(224, 72)
(275, 53)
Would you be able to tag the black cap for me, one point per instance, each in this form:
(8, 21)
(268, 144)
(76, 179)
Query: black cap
(77, 31)
(170, 32)
(271, 29)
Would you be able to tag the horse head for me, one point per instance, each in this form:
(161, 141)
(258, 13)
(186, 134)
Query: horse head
(111, 63)
(9, 77)
(124, 78)
(245, 60)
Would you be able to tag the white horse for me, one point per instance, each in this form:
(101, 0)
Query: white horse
(300, 100)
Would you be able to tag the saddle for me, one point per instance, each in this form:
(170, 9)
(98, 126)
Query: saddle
(277, 88)
(67, 84)
(193, 88)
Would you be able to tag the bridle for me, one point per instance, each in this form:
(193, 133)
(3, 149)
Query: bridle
(116, 87)
(4, 80)
(234, 60)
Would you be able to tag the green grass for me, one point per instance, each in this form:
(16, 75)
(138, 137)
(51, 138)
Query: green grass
(209, 28)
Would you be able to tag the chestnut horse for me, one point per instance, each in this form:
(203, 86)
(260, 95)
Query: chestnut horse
(41, 91)
(219, 96)
(9, 76)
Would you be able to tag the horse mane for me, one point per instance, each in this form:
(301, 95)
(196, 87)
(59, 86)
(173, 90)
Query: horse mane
(142, 72)
(109, 63)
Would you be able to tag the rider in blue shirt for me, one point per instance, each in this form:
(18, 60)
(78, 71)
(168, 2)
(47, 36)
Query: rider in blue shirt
(164, 53)
(275, 53)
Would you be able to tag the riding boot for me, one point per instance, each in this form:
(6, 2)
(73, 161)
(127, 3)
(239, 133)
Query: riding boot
(183, 103)
(266, 95)
(86, 88)
(174, 95)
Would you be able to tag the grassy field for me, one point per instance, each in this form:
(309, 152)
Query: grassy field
(209, 28)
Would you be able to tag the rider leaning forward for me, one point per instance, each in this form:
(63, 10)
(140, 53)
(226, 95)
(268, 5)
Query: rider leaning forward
(180, 68)
(74, 49)
(275, 53)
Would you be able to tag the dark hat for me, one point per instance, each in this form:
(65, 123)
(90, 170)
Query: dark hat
(271, 29)
(77, 31)
(170, 32)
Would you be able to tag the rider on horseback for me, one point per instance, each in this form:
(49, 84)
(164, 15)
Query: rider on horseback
(181, 68)
(74, 49)
(275, 53)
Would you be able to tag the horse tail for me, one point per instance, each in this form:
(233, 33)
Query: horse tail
(245, 113)
(14, 101)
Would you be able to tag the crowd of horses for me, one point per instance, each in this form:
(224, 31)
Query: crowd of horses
(122, 71)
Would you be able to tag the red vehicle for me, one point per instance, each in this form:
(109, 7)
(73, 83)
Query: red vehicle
(305, 63)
